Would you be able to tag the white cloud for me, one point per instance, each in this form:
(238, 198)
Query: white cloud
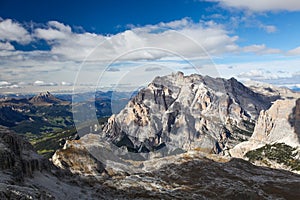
(55, 31)
(253, 74)
(261, 49)
(43, 83)
(261, 5)
(273, 71)
(64, 83)
(13, 31)
(269, 28)
(294, 52)
(4, 83)
(160, 37)
(263, 74)
(6, 46)
(192, 40)
(60, 26)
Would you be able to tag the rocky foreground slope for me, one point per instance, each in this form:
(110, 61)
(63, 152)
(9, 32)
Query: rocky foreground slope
(191, 175)
(25, 175)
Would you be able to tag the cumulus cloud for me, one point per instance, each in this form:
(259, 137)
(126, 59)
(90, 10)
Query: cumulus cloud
(268, 28)
(55, 31)
(294, 52)
(64, 83)
(6, 46)
(260, 49)
(253, 74)
(262, 74)
(149, 42)
(260, 6)
(177, 39)
(4, 83)
(43, 83)
(13, 31)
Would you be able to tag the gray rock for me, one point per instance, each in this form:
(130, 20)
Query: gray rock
(17, 155)
(187, 112)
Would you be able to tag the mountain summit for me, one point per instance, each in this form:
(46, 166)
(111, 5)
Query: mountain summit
(45, 98)
(187, 112)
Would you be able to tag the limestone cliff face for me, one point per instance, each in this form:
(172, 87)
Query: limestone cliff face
(279, 124)
(18, 156)
(187, 112)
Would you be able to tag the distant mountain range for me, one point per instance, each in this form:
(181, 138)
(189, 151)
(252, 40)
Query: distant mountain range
(45, 112)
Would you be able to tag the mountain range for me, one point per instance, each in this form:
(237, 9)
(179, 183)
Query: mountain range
(181, 137)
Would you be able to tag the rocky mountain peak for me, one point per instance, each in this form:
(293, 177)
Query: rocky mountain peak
(187, 112)
(45, 98)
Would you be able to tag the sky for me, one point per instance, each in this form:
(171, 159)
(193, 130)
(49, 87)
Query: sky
(124, 44)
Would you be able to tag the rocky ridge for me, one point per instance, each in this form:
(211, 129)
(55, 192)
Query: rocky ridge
(191, 175)
(279, 124)
(18, 155)
(187, 112)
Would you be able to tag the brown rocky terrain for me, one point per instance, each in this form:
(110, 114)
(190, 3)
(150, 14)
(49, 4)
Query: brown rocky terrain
(191, 175)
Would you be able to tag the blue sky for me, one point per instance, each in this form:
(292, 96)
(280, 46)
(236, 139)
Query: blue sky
(61, 43)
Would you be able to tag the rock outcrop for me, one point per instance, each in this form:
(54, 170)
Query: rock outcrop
(26, 175)
(18, 156)
(191, 175)
(187, 112)
(76, 158)
(277, 125)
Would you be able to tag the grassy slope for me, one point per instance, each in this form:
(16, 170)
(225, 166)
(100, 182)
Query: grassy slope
(47, 143)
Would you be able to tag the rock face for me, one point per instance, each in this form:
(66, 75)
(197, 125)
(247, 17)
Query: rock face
(279, 124)
(26, 175)
(76, 158)
(187, 112)
(18, 155)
